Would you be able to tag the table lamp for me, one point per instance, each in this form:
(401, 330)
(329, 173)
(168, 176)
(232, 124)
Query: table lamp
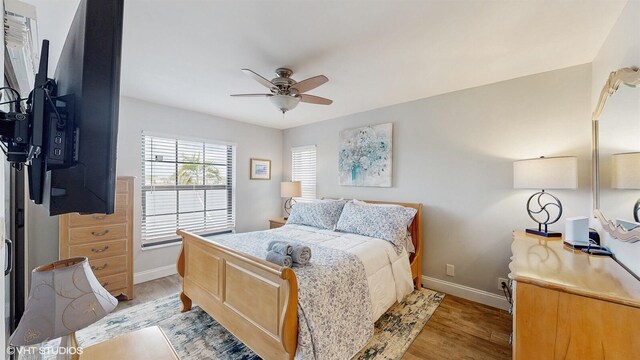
(544, 174)
(65, 296)
(290, 189)
(625, 175)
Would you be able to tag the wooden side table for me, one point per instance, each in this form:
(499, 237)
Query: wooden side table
(276, 223)
(147, 343)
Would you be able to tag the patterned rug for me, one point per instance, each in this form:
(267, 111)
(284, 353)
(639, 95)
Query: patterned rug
(195, 335)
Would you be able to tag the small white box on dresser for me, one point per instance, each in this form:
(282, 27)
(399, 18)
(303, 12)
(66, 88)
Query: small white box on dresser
(576, 231)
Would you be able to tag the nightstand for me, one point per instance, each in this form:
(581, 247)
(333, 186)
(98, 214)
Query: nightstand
(276, 223)
(147, 343)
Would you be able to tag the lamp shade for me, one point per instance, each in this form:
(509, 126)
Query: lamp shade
(290, 189)
(546, 173)
(65, 296)
(625, 171)
(285, 102)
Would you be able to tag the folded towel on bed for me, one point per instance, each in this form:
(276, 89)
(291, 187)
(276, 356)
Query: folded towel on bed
(279, 259)
(301, 254)
(281, 247)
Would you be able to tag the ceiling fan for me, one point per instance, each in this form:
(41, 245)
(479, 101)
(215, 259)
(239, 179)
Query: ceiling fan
(286, 93)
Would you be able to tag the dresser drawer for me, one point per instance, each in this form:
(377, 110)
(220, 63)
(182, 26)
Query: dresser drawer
(113, 282)
(97, 233)
(109, 266)
(100, 249)
(119, 216)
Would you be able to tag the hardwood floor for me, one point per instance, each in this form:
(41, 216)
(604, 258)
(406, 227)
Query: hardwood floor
(459, 329)
(463, 329)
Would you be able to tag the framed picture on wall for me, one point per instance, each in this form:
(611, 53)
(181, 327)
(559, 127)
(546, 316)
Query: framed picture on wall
(365, 156)
(260, 169)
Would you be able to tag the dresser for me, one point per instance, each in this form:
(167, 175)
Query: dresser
(570, 305)
(107, 240)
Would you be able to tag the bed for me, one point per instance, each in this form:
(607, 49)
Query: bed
(257, 301)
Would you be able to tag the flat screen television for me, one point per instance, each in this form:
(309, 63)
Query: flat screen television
(72, 118)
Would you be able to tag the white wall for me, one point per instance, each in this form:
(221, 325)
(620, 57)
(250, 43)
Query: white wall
(256, 200)
(454, 154)
(621, 49)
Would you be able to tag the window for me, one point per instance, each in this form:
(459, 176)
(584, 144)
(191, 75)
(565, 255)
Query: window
(303, 168)
(186, 185)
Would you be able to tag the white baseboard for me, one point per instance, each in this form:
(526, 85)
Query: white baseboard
(157, 273)
(465, 292)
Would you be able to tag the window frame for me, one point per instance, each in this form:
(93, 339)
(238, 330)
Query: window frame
(230, 195)
(315, 176)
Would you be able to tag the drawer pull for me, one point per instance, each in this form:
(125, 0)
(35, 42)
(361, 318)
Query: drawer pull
(98, 268)
(100, 250)
(102, 233)
(104, 284)
(99, 217)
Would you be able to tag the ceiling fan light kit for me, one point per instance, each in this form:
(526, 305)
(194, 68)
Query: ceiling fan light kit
(285, 102)
(287, 93)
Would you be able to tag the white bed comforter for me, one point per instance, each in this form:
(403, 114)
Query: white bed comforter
(388, 273)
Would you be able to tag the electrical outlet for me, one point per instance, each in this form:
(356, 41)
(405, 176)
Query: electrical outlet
(450, 270)
(502, 280)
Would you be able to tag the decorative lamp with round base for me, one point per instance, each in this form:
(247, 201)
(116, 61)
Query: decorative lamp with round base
(290, 189)
(543, 174)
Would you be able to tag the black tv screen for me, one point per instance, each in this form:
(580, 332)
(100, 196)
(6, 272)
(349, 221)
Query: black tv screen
(88, 69)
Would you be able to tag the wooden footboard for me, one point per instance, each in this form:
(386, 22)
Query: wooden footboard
(255, 300)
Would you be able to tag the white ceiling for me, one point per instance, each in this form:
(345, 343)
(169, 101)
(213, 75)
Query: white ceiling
(188, 54)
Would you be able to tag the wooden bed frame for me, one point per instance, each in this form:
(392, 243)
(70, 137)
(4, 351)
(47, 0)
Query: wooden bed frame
(255, 300)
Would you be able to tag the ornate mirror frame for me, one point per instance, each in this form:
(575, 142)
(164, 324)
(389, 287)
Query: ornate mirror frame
(630, 77)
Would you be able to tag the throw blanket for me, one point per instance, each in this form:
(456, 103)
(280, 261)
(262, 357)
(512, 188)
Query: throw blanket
(334, 305)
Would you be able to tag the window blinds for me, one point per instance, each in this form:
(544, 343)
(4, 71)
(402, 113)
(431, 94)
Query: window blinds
(186, 185)
(303, 163)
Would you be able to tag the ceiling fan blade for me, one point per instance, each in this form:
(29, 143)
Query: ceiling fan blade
(315, 99)
(268, 84)
(310, 83)
(253, 95)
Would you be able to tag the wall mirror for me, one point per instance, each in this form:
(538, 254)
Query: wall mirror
(616, 155)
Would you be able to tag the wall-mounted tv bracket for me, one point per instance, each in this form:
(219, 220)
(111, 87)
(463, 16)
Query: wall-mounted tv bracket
(51, 142)
(14, 135)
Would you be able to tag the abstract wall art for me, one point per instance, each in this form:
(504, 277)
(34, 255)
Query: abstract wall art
(365, 156)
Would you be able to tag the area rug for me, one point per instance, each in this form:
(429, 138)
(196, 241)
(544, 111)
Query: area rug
(195, 335)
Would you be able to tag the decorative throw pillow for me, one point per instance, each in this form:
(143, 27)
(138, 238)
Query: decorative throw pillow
(322, 215)
(408, 240)
(382, 222)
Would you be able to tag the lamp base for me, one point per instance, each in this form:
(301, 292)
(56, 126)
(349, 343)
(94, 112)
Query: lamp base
(544, 233)
(288, 205)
